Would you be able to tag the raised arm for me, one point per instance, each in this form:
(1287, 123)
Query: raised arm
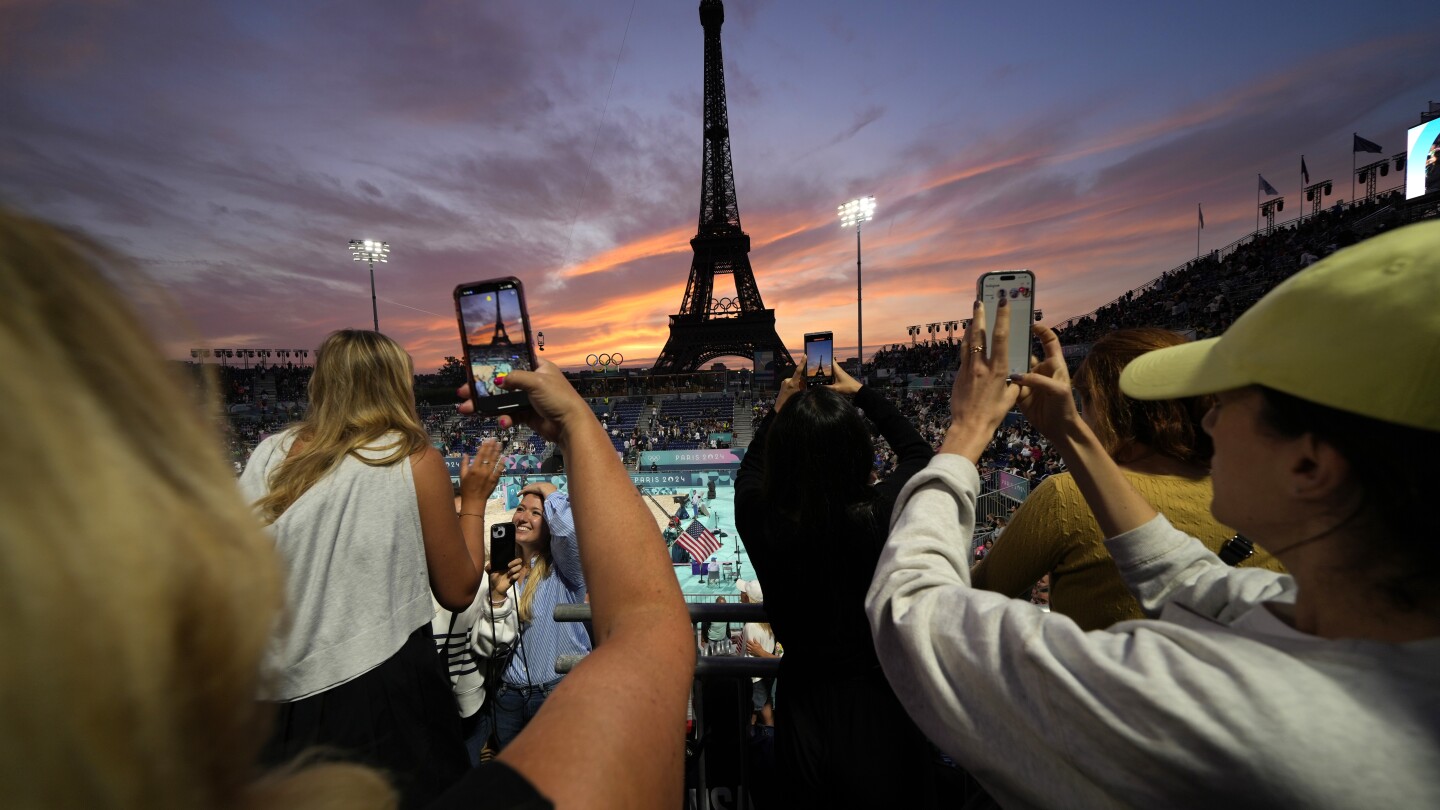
(454, 549)
(612, 734)
(564, 541)
(912, 452)
(750, 480)
(1047, 402)
(1160, 564)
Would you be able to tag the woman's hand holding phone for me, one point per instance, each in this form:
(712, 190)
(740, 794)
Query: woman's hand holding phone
(982, 393)
(1045, 393)
(500, 581)
(792, 385)
(844, 383)
(554, 407)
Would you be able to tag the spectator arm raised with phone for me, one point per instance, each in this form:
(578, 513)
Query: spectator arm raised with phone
(612, 734)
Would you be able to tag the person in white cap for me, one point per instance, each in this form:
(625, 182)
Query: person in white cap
(757, 640)
(1253, 688)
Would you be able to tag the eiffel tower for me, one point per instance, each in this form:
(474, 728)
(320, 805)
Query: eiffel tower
(500, 338)
(706, 328)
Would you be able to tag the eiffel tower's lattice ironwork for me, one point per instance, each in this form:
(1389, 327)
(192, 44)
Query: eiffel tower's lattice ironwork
(500, 338)
(706, 327)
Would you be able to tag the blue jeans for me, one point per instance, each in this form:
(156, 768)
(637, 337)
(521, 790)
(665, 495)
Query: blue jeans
(515, 705)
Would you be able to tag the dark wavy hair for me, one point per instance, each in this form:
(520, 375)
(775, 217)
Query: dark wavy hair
(1170, 427)
(1403, 549)
(818, 460)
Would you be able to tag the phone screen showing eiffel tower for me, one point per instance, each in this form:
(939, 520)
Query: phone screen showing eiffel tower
(495, 334)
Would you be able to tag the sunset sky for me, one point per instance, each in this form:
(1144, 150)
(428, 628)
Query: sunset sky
(233, 148)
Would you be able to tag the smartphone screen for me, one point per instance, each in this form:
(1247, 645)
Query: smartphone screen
(495, 337)
(502, 546)
(820, 357)
(1019, 287)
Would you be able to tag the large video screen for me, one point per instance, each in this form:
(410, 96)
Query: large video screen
(1422, 162)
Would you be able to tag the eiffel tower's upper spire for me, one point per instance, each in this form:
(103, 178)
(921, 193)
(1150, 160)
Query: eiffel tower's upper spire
(719, 210)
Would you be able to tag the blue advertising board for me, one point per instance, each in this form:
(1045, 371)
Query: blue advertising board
(673, 482)
(699, 459)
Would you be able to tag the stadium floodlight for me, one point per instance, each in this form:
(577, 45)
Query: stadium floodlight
(854, 214)
(370, 252)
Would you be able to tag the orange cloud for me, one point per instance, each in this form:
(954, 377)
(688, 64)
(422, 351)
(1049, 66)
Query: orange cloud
(657, 244)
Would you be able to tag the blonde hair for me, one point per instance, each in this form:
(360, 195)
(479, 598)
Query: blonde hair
(137, 590)
(362, 389)
(539, 570)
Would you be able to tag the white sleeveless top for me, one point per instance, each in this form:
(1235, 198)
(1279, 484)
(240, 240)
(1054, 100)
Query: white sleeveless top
(356, 583)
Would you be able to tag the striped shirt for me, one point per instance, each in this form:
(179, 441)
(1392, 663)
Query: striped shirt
(543, 639)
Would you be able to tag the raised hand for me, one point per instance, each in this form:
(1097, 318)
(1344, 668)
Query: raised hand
(554, 405)
(500, 581)
(479, 475)
(792, 385)
(844, 383)
(982, 393)
(542, 488)
(1045, 394)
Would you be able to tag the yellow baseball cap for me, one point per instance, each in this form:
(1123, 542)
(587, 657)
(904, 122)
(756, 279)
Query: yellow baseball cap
(1358, 331)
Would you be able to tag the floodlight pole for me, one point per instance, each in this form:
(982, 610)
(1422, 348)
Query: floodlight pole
(374, 307)
(859, 310)
(371, 251)
(857, 212)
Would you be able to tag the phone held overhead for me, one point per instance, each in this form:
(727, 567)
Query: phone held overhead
(820, 357)
(1018, 286)
(495, 339)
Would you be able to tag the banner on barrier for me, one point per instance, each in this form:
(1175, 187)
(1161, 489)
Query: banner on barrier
(726, 458)
(674, 482)
(519, 464)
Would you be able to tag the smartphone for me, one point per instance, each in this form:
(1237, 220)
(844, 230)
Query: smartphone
(820, 358)
(495, 337)
(1019, 287)
(502, 545)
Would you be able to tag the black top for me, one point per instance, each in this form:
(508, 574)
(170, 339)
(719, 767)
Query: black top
(816, 602)
(492, 786)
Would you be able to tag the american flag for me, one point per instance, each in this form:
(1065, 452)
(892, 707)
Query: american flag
(698, 541)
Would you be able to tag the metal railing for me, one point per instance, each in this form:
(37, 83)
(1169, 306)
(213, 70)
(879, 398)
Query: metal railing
(717, 768)
(706, 666)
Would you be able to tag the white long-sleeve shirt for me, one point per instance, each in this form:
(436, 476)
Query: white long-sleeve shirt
(467, 639)
(1218, 704)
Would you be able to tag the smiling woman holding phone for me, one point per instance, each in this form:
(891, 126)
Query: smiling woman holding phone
(545, 571)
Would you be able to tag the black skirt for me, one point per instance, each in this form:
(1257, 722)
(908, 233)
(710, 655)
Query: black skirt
(399, 717)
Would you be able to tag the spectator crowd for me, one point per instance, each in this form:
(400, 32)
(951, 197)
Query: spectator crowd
(1245, 575)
